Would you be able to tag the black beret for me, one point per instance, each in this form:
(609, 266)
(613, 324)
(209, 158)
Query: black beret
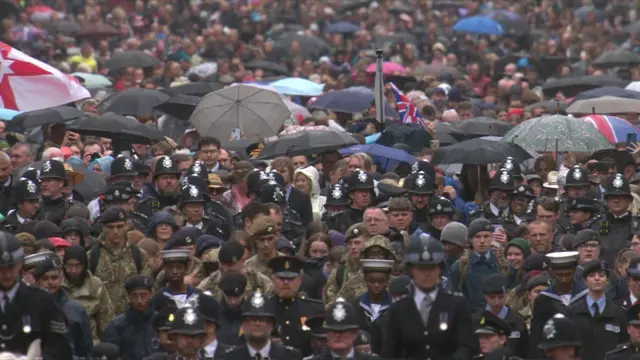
(136, 282)
(594, 266)
(583, 236)
(480, 224)
(233, 283)
(46, 265)
(113, 215)
(163, 319)
(494, 284)
(184, 237)
(230, 252)
(400, 285)
(105, 351)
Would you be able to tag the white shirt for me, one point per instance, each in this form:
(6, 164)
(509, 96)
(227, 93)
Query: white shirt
(633, 299)
(264, 352)
(566, 299)
(21, 220)
(210, 349)
(494, 209)
(517, 220)
(198, 225)
(11, 294)
(351, 354)
(418, 296)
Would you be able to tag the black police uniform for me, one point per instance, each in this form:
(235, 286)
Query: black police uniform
(152, 202)
(53, 169)
(438, 206)
(210, 310)
(292, 227)
(291, 313)
(358, 180)
(446, 333)
(589, 205)
(31, 314)
(503, 181)
(341, 316)
(216, 213)
(23, 190)
(420, 184)
(577, 177)
(616, 231)
(490, 324)
(258, 304)
(605, 329)
(560, 331)
(191, 194)
(232, 283)
(188, 321)
(511, 221)
(337, 197)
(628, 349)
(117, 193)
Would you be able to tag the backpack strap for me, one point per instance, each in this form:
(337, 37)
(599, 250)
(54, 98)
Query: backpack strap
(137, 257)
(95, 258)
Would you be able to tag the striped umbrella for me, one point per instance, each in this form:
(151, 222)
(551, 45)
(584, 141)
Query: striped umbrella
(614, 128)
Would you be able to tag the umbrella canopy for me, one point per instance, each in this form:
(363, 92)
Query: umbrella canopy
(388, 68)
(549, 106)
(604, 105)
(384, 156)
(92, 184)
(8, 7)
(116, 127)
(512, 23)
(6, 114)
(607, 91)
(48, 116)
(93, 81)
(479, 152)
(633, 86)
(63, 27)
(481, 126)
(352, 100)
(413, 135)
(307, 143)
(296, 110)
(131, 58)
(310, 46)
(203, 70)
(136, 102)
(557, 132)
(297, 86)
(275, 68)
(574, 85)
(614, 128)
(445, 134)
(179, 106)
(479, 25)
(618, 57)
(98, 30)
(342, 27)
(196, 88)
(257, 112)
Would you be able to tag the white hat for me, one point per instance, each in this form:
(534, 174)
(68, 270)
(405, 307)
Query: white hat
(377, 263)
(552, 180)
(177, 254)
(34, 259)
(562, 258)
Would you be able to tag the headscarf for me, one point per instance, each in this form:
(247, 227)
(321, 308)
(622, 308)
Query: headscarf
(76, 252)
(105, 164)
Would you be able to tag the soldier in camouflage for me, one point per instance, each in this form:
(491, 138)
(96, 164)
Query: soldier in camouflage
(355, 239)
(231, 258)
(264, 236)
(113, 259)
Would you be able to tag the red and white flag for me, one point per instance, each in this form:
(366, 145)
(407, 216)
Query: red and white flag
(28, 84)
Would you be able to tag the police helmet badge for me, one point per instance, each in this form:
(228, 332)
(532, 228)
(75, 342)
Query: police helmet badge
(116, 193)
(264, 175)
(31, 187)
(577, 173)
(549, 329)
(127, 164)
(6, 257)
(426, 255)
(618, 182)
(46, 167)
(184, 183)
(339, 313)
(420, 181)
(193, 191)
(336, 193)
(166, 162)
(258, 300)
(197, 169)
(414, 168)
(508, 165)
(439, 207)
(504, 177)
(278, 195)
(190, 317)
(363, 338)
(521, 189)
(362, 176)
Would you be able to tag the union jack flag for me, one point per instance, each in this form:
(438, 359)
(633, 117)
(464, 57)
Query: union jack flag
(409, 113)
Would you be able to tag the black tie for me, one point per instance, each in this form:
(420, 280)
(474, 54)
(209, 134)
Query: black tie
(7, 303)
(596, 310)
(258, 356)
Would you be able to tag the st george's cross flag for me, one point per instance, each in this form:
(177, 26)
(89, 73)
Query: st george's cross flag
(409, 113)
(28, 84)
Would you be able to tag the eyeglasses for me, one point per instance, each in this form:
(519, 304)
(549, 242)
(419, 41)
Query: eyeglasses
(589, 246)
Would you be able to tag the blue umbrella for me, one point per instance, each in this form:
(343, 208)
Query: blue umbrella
(352, 100)
(479, 25)
(384, 156)
(6, 114)
(342, 27)
(297, 86)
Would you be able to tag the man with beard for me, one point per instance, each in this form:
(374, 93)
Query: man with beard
(53, 178)
(258, 314)
(48, 274)
(122, 170)
(540, 237)
(133, 330)
(35, 313)
(26, 194)
(420, 188)
(362, 193)
(497, 206)
(87, 290)
(163, 191)
(177, 292)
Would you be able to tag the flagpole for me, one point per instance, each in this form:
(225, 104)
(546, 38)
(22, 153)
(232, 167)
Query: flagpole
(379, 90)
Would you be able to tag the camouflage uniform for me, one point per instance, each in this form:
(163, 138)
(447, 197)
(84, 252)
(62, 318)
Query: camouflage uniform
(256, 265)
(262, 227)
(94, 298)
(255, 280)
(115, 268)
(195, 266)
(355, 285)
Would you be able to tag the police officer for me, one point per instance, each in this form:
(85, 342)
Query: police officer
(210, 310)
(258, 314)
(337, 202)
(317, 333)
(431, 322)
(188, 332)
(121, 195)
(576, 184)
(500, 191)
(626, 350)
(162, 324)
(362, 194)
(192, 204)
(216, 213)
(292, 227)
(617, 225)
(341, 326)
(29, 313)
(26, 194)
(164, 190)
(175, 264)
(122, 171)
(520, 199)
(292, 307)
(53, 179)
(583, 214)
(441, 212)
(560, 338)
(420, 189)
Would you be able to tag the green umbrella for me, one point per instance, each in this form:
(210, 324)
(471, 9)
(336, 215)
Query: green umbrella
(557, 132)
(93, 81)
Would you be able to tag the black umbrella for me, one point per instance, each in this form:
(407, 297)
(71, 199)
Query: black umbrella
(307, 143)
(479, 152)
(136, 102)
(310, 46)
(574, 85)
(481, 126)
(275, 68)
(549, 106)
(196, 88)
(444, 133)
(413, 135)
(179, 106)
(93, 184)
(353, 5)
(116, 127)
(618, 57)
(98, 30)
(447, 4)
(64, 27)
(35, 118)
(238, 146)
(131, 58)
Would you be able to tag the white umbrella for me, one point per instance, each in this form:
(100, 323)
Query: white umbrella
(605, 105)
(257, 112)
(634, 86)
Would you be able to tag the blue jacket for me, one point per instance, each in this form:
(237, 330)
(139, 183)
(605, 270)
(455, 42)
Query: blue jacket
(478, 269)
(79, 324)
(134, 334)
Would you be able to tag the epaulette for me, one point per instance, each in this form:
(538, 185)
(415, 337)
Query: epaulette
(335, 215)
(140, 215)
(456, 293)
(291, 348)
(304, 297)
(229, 349)
(620, 348)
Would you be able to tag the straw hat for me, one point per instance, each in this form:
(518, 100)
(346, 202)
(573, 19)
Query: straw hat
(552, 180)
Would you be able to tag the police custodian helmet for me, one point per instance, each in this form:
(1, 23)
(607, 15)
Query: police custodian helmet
(11, 251)
(424, 250)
